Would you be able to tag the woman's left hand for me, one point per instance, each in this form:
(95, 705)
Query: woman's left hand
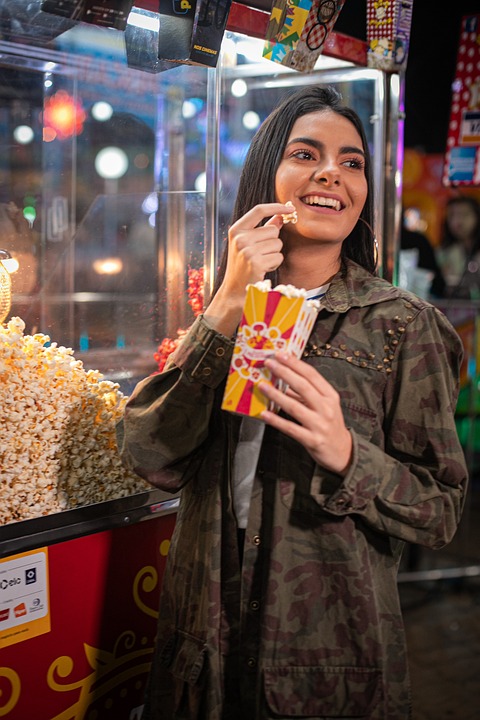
(314, 406)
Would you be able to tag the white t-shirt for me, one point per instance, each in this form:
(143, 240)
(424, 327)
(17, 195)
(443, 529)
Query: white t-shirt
(248, 450)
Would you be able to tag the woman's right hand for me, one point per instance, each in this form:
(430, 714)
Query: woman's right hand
(253, 251)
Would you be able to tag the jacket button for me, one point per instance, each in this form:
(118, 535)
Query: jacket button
(251, 662)
(207, 371)
(256, 540)
(220, 352)
(254, 605)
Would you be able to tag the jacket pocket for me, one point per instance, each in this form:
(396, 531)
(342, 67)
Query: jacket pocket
(319, 692)
(361, 419)
(185, 657)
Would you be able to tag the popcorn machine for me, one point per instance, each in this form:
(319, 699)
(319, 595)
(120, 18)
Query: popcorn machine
(119, 173)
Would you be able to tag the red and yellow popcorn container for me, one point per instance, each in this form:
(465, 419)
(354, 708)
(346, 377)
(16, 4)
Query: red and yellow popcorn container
(272, 322)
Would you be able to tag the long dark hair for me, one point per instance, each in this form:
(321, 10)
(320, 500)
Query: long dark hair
(257, 181)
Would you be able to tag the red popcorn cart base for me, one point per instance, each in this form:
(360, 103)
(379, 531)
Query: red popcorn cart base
(78, 619)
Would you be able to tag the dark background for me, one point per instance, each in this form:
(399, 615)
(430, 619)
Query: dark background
(430, 71)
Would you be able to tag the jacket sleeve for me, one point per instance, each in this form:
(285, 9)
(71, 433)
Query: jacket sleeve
(414, 487)
(167, 417)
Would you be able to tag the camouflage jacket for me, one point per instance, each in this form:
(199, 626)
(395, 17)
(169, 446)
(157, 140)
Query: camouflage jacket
(310, 625)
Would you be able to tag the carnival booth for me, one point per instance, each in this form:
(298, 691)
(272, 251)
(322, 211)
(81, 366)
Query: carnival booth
(122, 130)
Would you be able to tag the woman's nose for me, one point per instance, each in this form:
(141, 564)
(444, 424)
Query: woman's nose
(326, 172)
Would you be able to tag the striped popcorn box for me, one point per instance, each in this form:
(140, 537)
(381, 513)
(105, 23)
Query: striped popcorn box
(273, 320)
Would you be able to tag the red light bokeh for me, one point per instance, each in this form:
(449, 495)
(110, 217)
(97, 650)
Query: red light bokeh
(63, 114)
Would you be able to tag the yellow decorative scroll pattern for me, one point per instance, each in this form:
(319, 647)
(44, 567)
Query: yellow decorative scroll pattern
(109, 670)
(15, 685)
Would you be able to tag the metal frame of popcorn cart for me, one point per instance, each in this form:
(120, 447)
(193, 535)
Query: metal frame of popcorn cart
(79, 589)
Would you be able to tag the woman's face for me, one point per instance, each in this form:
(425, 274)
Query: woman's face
(461, 220)
(322, 172)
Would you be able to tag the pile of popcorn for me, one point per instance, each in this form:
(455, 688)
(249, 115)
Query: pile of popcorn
(57, 430)
(290, 291)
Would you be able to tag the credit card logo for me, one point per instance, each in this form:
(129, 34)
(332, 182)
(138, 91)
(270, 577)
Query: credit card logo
(30, 576)
(20, 610)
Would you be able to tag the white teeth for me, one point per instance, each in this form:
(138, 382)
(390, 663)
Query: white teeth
(322, 201)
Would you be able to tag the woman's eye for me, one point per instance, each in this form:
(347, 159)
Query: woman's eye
(302, 154)
(355, 163)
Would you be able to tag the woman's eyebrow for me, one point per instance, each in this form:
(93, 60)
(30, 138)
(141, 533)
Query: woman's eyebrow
(346, 149)
(307, 141)
(320, 146)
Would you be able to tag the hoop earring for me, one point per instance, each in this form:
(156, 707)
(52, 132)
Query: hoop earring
(375, 241)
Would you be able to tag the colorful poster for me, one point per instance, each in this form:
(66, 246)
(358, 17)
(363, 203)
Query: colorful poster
(24, 597)
(462, 159)
(388, 33)
(297, 31)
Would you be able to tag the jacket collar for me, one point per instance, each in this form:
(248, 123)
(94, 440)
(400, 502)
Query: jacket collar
(353, 286)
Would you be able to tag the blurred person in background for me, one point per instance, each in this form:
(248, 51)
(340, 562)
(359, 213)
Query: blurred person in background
(412, 237)
(459, 252)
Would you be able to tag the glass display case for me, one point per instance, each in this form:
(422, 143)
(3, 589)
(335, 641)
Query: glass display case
(103, 208)
(106, 176)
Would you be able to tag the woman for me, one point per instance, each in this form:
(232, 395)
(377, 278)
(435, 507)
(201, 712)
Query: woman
(363, 457)
(459, 252)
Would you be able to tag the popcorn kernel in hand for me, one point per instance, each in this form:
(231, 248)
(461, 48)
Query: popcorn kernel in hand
(290, 217)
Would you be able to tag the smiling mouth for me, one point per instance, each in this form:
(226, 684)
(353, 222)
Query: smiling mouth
(320, 201)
